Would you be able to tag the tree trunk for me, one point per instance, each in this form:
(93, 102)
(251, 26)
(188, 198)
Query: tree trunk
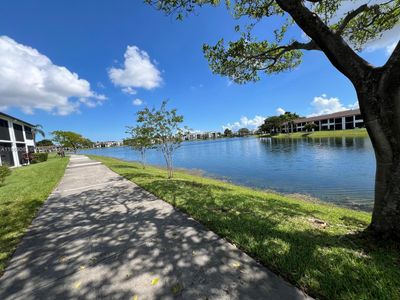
(143, 158)
(379, 98)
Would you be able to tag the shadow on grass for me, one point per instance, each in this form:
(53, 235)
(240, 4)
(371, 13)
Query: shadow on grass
(15, 216)
(325, 263)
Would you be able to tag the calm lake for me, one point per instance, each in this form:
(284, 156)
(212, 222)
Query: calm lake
(338, 170)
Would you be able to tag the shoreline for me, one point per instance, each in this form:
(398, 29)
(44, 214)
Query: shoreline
(349, 133)
(225, 179)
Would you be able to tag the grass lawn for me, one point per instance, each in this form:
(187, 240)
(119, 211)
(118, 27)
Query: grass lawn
(23, 192)
(328, 261)
(323, 134)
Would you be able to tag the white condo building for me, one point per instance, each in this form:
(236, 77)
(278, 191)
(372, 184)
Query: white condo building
(16, 138)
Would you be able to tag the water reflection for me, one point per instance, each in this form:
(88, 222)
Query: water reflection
(339, 169)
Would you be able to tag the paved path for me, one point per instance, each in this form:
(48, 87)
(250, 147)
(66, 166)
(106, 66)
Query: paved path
(100, 236)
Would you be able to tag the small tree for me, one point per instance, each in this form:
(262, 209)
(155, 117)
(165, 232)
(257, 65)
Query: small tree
(228, 132)
(142, 139)
(167, 136)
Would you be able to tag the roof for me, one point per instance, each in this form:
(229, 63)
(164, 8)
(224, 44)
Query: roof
(16, 119)
(339, 114)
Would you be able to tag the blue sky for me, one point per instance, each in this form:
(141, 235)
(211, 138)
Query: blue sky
(89, 38)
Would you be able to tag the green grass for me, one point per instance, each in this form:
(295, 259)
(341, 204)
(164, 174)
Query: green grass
(335, 262)
(323, 134)
(23, 192)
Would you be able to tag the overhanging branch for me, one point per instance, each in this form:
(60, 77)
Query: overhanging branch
(335, 48)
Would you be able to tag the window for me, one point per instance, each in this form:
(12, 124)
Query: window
(6, 154)
(4, 131)
(338, 120)
(21, 150)
(359, 117)
(28, 133)
(19, 136)
(360, 125)
(338, 126)
(324, 121)
(349, 119)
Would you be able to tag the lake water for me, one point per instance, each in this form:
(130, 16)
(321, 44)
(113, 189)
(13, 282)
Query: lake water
(338, 170)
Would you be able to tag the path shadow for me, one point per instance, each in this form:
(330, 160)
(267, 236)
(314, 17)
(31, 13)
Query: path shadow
(114, 243)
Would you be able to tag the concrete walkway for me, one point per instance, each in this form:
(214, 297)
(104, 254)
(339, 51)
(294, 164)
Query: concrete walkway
(100, 236)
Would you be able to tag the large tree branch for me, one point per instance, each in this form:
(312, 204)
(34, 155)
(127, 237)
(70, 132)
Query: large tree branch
(335, 48)
(392, 70)
(350, 16)
(394, 58)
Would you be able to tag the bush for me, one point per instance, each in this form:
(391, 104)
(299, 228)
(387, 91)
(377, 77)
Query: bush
(39, 157)
(4, 172)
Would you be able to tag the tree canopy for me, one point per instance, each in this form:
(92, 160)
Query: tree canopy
(44, 143)
(228, 132)
(335, 27)
(70, 139)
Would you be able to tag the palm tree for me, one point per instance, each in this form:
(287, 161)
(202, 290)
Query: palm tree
(37, 129)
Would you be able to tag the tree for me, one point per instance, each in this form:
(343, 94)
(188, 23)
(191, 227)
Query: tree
(166, 134)
(289, 119)
(37, 129)
(69, 139)
(228, 132)
(44, 143)
(310, 126)
(272, 124)
(243, 131)
(339, 31)
(142, 139)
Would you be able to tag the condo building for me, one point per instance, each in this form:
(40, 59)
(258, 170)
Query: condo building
(16, 139)
(342, 120)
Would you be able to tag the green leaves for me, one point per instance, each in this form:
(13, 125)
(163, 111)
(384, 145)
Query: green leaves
(241, 60)
(158, 128)
(70, 139)
(244, 59)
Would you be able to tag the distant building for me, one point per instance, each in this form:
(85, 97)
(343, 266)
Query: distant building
(16, 139)
(201, 136)
(342, 120)
(107, 144)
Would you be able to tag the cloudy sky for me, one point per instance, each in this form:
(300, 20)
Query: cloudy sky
(88, 66)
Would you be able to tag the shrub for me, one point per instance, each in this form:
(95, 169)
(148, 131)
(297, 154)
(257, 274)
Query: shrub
(39, 157)
(4, 172)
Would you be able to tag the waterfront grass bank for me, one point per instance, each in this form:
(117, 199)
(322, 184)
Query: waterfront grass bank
(362, 132)
(318, 247)
(21, 195)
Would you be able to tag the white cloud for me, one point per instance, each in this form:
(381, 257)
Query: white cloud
(245, 122)
(323, 105)
(137, 102)
(129, 90)
(280, 111)
(29, 80)
(138, 72)
(390, 48)
(388, 41)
